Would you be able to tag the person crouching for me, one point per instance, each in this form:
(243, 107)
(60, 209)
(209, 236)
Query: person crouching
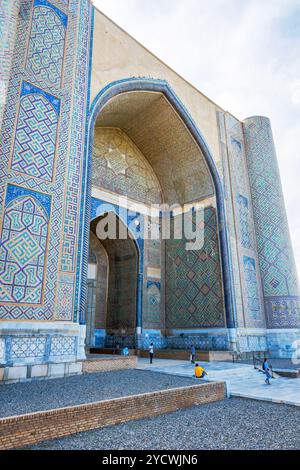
(200, 373)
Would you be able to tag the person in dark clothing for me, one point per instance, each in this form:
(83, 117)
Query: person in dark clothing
(193, 352)
(151, 352)
(266, 369)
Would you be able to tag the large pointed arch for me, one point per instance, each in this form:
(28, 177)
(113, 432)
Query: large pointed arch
(159, 86)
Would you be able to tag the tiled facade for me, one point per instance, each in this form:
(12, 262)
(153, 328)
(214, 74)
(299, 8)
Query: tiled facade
(240, 291)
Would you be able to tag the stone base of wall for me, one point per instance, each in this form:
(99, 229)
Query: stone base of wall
(25, 373)
(32, 428)
(179, 354)
(202, 340)
(284, 344)
(24, 344)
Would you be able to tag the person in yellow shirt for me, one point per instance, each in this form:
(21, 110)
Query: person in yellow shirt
(200, 373)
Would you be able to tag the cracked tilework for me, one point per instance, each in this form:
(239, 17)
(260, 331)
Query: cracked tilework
(277, 265)
(46, 45)
(36, 133)
(23, 247)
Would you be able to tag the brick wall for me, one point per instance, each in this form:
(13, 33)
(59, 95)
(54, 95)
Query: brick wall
(105, 365)
(28, 429)
(184, 355)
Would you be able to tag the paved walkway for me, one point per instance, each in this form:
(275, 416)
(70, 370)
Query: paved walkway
(242, 379)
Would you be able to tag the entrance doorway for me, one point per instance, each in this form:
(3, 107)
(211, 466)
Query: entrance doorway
(112, 290)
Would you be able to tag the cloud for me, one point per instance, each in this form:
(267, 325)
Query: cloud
(243, 54)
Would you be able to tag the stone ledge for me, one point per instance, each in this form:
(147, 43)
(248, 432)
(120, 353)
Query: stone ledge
(24, 373)
(290, 373)
(28, 429)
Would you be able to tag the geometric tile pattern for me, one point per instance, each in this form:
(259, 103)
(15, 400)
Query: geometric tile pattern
(70, 92)
(8, 22)
(276, 258)
(194, 296)
(283, 312)
(63, 345)
(23, 248)
(46, 45)
(152, 315)
(241, 224)
(251, 283)
(81, 10)
(36, 134)
(65, 298)
(119, 166)
(26, 347)
(244, 222)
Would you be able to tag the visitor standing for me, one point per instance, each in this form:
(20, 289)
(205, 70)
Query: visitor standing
(151, 352)
(193, 352)
(266, 369)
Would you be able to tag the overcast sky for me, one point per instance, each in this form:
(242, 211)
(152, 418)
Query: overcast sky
(243, 54)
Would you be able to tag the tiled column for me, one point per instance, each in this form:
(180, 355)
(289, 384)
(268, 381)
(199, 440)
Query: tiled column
(276, 259)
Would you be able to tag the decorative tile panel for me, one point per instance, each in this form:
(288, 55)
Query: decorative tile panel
(47, 42)
(63, 346)
(65, 298)
(36, 133)
(276, 258)
(252, 291)
(194, 296)
(120, 167)
(152, 316)
(28, 347)
(56, 177)
(8, 24)
(77, 140)
(242, 230)
(245, 233)
(23, 246)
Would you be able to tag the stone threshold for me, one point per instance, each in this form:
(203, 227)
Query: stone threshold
(290, 373)
(28, 429)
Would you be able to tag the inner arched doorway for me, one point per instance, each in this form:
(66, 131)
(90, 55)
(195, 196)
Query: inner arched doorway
(111, 315)
(184, 294)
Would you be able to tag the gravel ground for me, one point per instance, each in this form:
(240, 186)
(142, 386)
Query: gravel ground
(43, 395)
(231, 424)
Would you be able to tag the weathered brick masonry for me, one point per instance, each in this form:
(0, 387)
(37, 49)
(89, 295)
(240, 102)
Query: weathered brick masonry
(105, 365)
(18, 431)
(184, 355)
